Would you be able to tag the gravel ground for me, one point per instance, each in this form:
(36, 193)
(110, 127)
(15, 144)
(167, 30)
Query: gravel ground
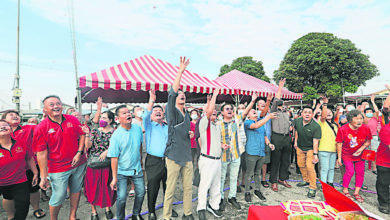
(273, 198)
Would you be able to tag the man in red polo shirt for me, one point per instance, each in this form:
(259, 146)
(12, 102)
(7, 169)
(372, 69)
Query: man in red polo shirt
(25, 133)
(59, 143)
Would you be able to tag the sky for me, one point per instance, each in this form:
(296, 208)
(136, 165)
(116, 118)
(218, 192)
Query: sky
(211, 33)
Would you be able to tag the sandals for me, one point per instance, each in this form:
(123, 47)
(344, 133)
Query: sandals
(39, 213)
(265, 184)
(347, 195)
(358, 198)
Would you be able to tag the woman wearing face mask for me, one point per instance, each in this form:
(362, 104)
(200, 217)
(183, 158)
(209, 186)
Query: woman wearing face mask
(194, 117)
(97, 180)
(372, 116)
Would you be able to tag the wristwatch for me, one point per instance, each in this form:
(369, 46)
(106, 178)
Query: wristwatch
(316, 154)
(81, 152)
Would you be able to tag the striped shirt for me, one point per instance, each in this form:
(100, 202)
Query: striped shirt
(230, 136)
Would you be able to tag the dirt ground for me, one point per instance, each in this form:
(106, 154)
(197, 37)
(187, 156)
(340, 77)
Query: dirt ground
(273, 198)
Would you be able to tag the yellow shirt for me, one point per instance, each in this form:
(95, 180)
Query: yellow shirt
(328, 137)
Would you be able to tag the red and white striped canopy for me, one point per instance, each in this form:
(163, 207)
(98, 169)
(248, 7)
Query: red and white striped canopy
(145, 73)
(236, 79)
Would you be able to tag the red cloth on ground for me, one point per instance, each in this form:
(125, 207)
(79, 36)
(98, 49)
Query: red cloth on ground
(97, 187)
(266, 213)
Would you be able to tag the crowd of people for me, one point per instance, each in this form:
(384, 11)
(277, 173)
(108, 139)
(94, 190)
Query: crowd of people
(115, 151)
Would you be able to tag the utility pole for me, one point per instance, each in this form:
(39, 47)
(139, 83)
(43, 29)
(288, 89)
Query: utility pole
(17, 92)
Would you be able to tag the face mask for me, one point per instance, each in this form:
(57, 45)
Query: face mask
(350, 108)
(369, 115)
(104, 109)
(240, 112)
(220, 118)
(139, 114)
(280, 103)
(103, 123)
(194, 117)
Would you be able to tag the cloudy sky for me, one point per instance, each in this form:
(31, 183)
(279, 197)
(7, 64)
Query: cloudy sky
(211, 33)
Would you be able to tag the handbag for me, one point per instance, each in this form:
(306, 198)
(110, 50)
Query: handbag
(94, 162)
(369, 155)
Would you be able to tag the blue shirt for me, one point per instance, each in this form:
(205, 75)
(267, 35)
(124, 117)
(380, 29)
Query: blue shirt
(156, 135)
(267, 126)
(125, 144)
(255, 139)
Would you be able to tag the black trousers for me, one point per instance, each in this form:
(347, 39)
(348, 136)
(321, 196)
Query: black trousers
(156, 173)
(382, 186)
(280, 157)
(21, 195)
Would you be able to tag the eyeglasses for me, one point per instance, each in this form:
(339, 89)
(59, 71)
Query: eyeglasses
(228, 109)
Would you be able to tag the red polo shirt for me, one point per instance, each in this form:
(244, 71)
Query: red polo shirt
(13, 163)
(383, 153)
(352, 140)
(25, 133)
(61, 142)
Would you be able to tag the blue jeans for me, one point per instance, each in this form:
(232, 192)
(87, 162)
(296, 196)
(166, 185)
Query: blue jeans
(139, 186)
(234, 168)
(327, 163)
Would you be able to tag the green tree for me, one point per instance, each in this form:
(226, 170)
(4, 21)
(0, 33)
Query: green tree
(326, 64)
(246, 65)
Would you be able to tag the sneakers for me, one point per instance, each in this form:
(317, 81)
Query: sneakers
(384, 209)
(260, 195)
(311, 193)
(330, 184)
(303, 184)
(215, 212)
(234, 203)
(202, 214)
(222, 206)
(189, 217)
(364, 187)
(248, 197)
(132, 193)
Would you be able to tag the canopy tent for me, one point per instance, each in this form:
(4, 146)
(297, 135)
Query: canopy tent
(236, 79)
(128, 83)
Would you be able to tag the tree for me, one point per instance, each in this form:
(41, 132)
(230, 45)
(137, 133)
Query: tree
(326, 64)
(246, 65)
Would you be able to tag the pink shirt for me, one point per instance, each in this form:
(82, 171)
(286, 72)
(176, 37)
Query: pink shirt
(383, 153)
(373, 125)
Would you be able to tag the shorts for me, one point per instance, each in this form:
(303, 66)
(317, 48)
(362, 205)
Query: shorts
(60, 181)
(11, 191)
(30, 176)
(374, 143)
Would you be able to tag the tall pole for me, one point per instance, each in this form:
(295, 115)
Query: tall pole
(16, 91)
(73, 36)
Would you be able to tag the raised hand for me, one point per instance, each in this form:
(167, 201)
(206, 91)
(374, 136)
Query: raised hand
(325, 99)
(269, 97)
(373, 98)
(254, 96)
(152, 95)
(216, 91)
(99, 102)
(183, 64)
(273, 115)
(209, 97)
(282, 82)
